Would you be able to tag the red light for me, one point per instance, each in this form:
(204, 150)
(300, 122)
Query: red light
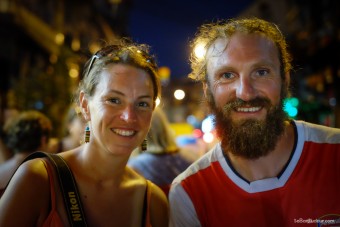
(197, 133)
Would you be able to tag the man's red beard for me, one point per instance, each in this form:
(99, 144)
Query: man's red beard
(249, 138)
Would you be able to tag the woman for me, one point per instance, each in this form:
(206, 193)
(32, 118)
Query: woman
(117, 97)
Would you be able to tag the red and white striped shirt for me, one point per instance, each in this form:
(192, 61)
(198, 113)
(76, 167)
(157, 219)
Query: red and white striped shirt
(210, 193)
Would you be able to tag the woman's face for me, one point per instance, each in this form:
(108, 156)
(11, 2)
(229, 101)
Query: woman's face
(121, 108)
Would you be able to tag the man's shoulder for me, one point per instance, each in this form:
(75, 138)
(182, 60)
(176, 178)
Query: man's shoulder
(200, 164)
(318, 133)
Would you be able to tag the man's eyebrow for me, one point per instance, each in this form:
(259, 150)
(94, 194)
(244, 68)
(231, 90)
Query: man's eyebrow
(262, 63)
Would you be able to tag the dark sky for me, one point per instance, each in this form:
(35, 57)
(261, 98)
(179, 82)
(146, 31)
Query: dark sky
(168, 25)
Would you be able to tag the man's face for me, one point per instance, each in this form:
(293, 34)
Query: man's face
(245, 91)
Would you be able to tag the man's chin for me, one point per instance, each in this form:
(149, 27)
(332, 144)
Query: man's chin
(244, 121)
(250, 138)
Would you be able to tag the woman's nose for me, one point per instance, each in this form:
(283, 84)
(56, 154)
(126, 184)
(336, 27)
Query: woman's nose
(129, 114)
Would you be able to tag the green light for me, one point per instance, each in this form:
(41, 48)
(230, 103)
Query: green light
(294, 101)
(290, 106)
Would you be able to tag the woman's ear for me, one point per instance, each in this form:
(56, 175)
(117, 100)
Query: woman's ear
(84, 105)
(205, 88)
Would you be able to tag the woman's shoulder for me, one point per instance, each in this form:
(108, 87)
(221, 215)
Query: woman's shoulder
(134, 178)
(159, 215)
(141, 181)
(30, 174)
(30, 178)
(25, 195)
(156, 194)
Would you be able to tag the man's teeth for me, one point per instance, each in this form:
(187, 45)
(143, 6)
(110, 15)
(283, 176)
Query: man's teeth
(248, 109)
(124, 132)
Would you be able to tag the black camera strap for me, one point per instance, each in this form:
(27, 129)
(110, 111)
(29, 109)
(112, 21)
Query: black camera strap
(68, 187)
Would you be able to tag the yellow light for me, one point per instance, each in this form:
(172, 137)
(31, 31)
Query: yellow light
(75, 45)
(199, 50)
(158, 101)
(164, 72)
(59, 38)
(73, 73)
(94, 47)
(179, 94)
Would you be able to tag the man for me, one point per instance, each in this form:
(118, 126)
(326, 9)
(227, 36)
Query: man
(267, 170)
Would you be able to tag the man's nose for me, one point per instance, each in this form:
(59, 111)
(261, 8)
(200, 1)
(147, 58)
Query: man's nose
(246, 89)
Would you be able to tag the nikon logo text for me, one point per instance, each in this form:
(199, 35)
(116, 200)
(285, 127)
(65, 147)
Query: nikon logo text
(76, 216)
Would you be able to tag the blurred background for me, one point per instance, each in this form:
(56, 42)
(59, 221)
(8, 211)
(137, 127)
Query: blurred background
(44, 44)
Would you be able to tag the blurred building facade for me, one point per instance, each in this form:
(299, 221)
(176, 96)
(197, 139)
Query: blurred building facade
(44, 44)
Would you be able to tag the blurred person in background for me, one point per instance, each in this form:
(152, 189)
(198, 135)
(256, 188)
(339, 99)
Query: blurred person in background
(24, 134)
(74, 126)
(5, 153)
(192, 146)
(117, 97)
(163, 160)
(195, 147)
(267, 169)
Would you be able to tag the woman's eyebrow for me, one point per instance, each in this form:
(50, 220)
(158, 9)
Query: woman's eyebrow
(123, 94)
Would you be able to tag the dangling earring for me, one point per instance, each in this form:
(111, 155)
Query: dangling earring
(87, 134)
(144, 145)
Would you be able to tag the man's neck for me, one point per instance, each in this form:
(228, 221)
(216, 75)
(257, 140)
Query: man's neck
(267, 166)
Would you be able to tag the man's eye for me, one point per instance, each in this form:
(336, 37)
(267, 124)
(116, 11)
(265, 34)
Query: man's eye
(262, 72)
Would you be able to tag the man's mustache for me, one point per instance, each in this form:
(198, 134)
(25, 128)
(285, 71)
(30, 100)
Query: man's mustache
(259, 101)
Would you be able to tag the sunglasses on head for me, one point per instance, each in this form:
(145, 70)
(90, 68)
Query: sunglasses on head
(113, 51)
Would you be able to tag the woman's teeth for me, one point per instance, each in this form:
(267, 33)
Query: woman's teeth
(123, 132)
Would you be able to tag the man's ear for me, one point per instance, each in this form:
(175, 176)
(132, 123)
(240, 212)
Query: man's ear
(287, 79)
(84, 105)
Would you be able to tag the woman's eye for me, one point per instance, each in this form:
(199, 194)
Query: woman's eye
(228, 75)
(143, 104)
(114, 100)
